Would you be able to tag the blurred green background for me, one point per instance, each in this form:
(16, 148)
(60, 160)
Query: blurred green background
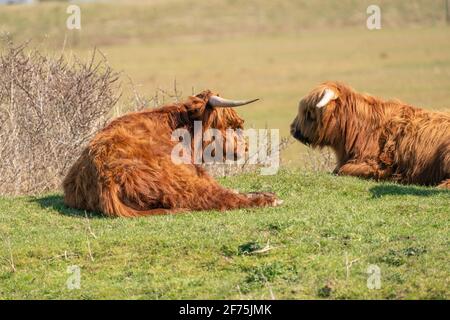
(272, 49)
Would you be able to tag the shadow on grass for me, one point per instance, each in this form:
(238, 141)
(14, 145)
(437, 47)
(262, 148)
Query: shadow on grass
(56, 202)
(401, 190)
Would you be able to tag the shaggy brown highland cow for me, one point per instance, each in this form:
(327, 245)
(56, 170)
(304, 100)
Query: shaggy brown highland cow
(373, 138)
(127, 169)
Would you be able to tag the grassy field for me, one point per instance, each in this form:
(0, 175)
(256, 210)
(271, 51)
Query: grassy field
(324, 237)
(329, 230)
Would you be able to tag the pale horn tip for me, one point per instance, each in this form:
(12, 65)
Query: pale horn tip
(218, 102)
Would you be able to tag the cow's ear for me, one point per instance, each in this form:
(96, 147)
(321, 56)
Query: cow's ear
(327, 96)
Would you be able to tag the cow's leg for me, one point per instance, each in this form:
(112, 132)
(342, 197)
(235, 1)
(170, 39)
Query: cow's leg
(216, 197)
(210, 195)
(159, 212)
(202, 193)
(445, 184)
(363, 170)
(177, 188)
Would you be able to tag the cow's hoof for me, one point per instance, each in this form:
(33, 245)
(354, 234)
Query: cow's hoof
(265, 198)
(277, 202)
(445, 185)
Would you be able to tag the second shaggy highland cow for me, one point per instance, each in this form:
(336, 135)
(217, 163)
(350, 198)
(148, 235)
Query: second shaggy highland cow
(374, 138)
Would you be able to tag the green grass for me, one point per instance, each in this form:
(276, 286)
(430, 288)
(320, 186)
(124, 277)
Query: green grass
(276, 50)
(324, 222)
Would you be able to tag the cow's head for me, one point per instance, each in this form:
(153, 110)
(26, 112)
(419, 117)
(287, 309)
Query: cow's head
(314, 124)
(218, 116)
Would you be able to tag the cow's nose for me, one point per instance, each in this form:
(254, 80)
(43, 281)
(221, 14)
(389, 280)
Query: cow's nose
(293, 129)
(296, 134)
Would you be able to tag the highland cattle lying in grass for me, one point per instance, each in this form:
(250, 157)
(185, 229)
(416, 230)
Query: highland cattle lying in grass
(373, 138)
(128, 168)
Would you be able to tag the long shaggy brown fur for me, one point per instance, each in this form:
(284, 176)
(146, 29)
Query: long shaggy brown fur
(127, 169)
(378, 139)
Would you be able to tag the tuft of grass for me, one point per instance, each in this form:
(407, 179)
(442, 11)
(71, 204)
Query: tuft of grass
(325, 236)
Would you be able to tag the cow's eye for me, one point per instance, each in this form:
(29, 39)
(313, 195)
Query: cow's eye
(309, 115)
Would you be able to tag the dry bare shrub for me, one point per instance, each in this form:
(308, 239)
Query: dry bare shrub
(49, 109)
(135, 100)
(318, 160)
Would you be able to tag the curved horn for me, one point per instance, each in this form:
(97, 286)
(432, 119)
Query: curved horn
(218, 102)
(327, 97)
